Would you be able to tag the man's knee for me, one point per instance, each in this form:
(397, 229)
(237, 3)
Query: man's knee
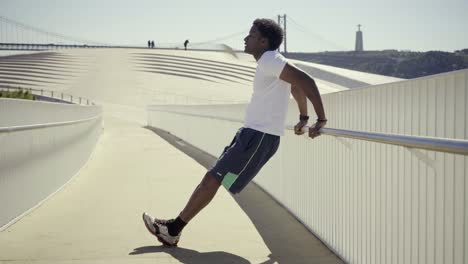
(209, 181)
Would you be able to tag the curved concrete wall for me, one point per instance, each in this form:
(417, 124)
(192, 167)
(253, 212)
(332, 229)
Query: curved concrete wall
(36, 162)
(370, 202)
(25, 112)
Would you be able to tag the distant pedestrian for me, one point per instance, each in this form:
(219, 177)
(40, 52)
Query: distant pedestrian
(152, 44)
(149, 44)
(186, 43)
(255, 143)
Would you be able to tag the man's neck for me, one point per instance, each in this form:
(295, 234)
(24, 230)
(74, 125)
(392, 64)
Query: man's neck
(259, 55)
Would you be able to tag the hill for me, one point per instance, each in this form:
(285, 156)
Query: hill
(400, 64)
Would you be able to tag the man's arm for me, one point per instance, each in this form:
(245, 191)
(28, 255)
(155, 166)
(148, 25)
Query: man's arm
(302, 83)
(301, 100)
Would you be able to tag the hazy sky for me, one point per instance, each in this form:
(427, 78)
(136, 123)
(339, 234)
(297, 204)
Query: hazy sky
(313, 25)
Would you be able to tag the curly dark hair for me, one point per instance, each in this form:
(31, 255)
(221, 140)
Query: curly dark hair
(270, 30)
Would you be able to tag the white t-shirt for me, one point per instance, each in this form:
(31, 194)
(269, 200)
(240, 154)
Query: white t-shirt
(268, 106)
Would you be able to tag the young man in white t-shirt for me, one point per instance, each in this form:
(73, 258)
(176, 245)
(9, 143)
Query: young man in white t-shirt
(256, 142)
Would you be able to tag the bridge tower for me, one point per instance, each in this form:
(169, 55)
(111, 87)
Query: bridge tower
(283, 20)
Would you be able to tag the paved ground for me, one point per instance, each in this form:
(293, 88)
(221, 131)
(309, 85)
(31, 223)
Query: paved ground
(96, 218)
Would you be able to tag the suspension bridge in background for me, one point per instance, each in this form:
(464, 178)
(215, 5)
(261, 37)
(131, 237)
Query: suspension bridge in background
(15, 35)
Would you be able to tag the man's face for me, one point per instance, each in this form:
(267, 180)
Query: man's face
(254, 42)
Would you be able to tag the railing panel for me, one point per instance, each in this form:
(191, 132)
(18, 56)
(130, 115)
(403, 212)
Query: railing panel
(36, 162)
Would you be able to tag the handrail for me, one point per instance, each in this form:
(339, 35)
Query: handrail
(41, 91)
(36, 126)
(455, 146)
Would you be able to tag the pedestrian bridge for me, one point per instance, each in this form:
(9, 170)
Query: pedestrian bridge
(135, 129)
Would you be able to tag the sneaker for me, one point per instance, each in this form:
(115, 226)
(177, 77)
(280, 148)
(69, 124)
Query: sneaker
(158, 228)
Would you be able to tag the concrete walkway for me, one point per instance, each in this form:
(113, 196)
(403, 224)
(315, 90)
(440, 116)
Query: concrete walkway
(96, 217)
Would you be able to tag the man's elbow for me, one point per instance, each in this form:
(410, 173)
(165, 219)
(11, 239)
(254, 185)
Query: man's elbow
(305, 80)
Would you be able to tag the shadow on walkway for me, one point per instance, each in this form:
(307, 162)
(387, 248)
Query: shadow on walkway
(189, 256)
(288, 239)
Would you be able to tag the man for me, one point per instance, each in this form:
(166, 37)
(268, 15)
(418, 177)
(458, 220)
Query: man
(258, 140)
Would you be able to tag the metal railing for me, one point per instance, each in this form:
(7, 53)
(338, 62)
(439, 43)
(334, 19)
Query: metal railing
(37, 126)
(39, 46)
(56, 96)
(455, 146)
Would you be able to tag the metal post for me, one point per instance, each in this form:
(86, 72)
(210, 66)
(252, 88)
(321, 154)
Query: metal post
(285, 46)
(1, 31)
(279, 23)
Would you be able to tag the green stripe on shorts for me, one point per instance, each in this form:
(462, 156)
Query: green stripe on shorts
(229, 180)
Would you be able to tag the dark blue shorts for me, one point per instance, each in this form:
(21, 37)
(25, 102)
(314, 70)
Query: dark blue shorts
(243, 158)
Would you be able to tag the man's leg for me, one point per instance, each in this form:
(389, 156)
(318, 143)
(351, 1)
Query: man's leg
(200, 198)
(168, 231)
